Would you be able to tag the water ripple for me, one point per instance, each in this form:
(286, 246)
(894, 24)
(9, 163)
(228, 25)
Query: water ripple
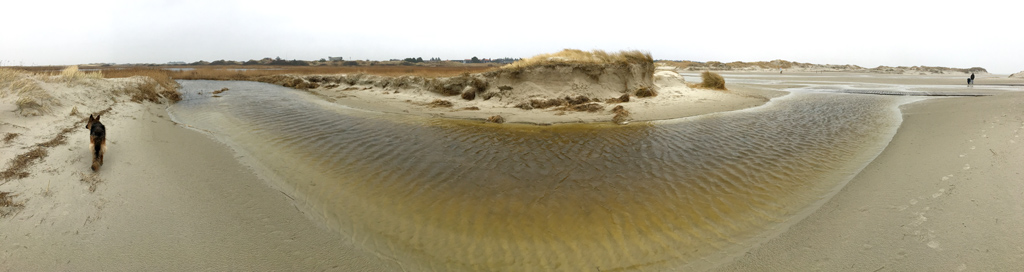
(461, 195)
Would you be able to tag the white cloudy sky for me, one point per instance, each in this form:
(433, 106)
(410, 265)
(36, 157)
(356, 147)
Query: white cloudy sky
(864, 32)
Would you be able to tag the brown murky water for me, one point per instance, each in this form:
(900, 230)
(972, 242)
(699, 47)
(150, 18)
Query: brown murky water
(462, 195)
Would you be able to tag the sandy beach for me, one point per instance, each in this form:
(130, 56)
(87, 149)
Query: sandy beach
(166, 198)
(945, 194)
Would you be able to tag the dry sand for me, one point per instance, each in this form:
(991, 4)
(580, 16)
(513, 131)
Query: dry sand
(674, 100)
(166, 198)
(946, 194)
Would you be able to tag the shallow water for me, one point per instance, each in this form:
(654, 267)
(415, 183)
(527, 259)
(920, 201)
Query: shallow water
(462, 195)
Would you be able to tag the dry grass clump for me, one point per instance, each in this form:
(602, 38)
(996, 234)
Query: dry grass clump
(220, 91)
(645, 92)
(456, 85)
(7, 204)
(589, 107)
(60, 139)
(32, 99)
(621, 115)
(440, 103)
(712, 81)
(159, 84)
(496, 119)
(621, 99)
(469, 94)
(578, 103)
(16, 168)
(577, 56)
(72, 74)
(10, 137)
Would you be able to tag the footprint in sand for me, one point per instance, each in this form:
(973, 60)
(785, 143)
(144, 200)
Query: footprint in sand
(967, 166)
(972, 147)
(933, 244)
(941, 191)
(913, 201)
(963, 155)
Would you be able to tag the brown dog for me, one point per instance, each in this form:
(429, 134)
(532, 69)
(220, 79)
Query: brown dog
(97, 141)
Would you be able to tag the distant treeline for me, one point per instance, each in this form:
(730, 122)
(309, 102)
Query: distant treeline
(338, 61)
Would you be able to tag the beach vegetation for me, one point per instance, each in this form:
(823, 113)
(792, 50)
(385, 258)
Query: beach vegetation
(440, 103)
(645, 92)
(151, 84)
(576, 56)
(711, 80)
(32, 100)
(496, 119)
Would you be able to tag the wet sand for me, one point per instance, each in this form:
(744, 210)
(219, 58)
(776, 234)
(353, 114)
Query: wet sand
(944, 195)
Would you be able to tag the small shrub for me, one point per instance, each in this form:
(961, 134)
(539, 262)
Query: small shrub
(469, 94)
(645, 92)
(712, 81)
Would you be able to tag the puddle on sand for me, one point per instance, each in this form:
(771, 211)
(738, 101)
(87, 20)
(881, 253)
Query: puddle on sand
(462, 195)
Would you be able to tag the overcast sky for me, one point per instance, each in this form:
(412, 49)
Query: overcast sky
(961, 34)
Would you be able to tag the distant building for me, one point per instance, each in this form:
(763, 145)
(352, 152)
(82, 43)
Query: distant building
(335, 58)
(176, 63)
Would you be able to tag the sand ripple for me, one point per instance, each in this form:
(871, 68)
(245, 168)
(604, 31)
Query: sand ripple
(463, 195)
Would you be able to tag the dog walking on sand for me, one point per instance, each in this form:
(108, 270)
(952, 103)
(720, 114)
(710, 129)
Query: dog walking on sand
(97, 141)
(970, 81)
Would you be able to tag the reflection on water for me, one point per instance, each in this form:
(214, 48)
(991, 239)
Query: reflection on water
(461, 195)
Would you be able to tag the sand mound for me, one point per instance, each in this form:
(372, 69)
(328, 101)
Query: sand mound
(664, 78)
(1017, 75)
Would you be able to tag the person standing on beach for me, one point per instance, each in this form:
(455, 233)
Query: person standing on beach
(972, 80)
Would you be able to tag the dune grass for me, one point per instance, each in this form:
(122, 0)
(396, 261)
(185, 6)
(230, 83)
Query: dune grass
(32, 99)
(156, 83)
(576, 56)
(712, 81)
(248, 73)
(72, 74)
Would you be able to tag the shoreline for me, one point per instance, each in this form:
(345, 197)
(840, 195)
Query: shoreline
(169, 193)
(675, 99)
(217, 213)
(920, 204)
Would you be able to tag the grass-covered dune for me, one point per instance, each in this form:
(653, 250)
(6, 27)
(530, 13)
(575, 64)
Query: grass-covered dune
(576, 72)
